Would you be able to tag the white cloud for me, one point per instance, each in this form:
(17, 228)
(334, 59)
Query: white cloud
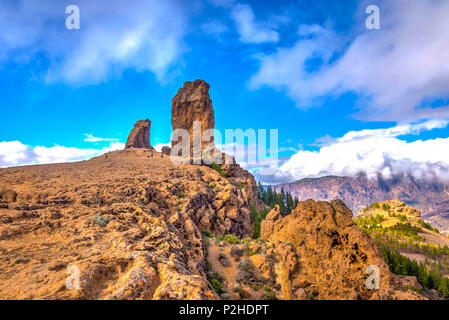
(394, 70)
(374, 151)
(12, 152)
(90, 138)
(158, 146)
(15, 153)
(113, 36)
(250, 30)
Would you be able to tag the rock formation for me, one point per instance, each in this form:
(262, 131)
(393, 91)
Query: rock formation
(7, 195)
(130, 223)
(326, 255)
(395, 207)
(166, 150)
(192, 103)
(139, 137)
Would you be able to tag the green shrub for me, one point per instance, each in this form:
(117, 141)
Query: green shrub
(269, 295)
(207, 233)
(313, 295)
(216, 285)
(237, 289)
(231, 238)
(218, 168)
(258, 217)
(246, 265)
(101, 221)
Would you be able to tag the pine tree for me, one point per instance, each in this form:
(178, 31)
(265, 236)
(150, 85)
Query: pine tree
(443, 288)
(423, 277)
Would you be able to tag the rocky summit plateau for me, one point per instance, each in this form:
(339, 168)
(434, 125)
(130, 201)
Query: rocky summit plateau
(132, 224)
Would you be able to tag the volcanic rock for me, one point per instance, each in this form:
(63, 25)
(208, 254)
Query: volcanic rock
(151, 247)
(139, 136)
(192, 103)
(326, 254)
(7, 195)
(166, 150)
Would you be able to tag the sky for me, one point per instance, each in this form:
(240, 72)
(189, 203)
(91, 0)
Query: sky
(345, 99)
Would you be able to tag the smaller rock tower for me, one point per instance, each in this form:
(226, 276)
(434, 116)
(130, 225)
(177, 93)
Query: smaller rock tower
(139, 137)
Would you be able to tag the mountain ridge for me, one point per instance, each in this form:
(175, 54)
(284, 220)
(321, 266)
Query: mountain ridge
(431, 197)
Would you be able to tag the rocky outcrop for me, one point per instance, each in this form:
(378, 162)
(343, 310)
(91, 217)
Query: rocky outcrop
(326, 255)
(7, 195)
(139, 137)
(166, 150)
(131, 223)
(193, 104)
(392, 208)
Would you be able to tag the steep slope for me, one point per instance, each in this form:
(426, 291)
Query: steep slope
(431, 197)
(410, 246)
(130, 221)
(325, 254)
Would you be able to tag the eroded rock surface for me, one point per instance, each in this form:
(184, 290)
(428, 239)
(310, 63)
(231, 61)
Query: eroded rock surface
(139, 137)
(130, 223)
(192, 103)
(325, 254)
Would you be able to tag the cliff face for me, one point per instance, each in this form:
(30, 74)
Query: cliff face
(130, 223)
(325, 254)
(431, 197)
(192, 103)
(139, 137)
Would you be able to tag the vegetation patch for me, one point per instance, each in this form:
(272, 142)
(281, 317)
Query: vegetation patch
(101, 221)
(258, 217)
(232, 239)
(283, 199)
(217, 167)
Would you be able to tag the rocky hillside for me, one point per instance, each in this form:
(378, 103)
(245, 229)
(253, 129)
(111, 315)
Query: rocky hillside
(410, 246)
(432, 198)
(325, 253)
(139, 227)
(130, 220)
(317, 252)
(139, 224)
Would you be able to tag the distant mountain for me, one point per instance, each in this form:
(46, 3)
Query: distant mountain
(431, 197)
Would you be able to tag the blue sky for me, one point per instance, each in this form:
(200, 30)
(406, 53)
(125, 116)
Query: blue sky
(310, 69)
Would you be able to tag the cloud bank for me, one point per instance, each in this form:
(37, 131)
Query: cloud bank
(15, 153)
(395, 71)
(114, 36)
(374, 151)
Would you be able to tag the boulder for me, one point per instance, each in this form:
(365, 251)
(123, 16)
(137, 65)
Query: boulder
(166, 150)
